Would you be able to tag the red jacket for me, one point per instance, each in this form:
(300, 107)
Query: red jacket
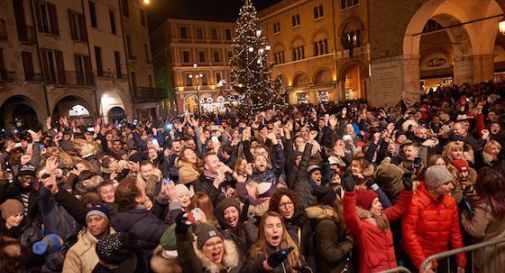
(376, 246)
(430, 225)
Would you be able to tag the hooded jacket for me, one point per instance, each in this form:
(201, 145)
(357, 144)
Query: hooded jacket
(192, 260)
(330, 239)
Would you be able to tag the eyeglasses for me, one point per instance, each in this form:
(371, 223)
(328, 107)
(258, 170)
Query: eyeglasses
(213, 244)
(287, 204)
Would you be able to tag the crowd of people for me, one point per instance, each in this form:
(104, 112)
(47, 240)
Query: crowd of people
(311, 188)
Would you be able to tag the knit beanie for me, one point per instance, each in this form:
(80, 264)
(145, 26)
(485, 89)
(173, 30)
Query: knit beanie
(11, 207)
(113, 249)
(49, 244)
(313, 168)
(389, 179)
(100, 210)
(204, 232)
(181, 189)
(364, 198)
(227, 202)
(436, 176)
(27, 170)
(461, 165)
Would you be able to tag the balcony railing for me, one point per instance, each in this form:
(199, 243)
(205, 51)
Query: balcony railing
(149, 94)
(72, 78)
(30, 36)
(33, 77)
(7, 76)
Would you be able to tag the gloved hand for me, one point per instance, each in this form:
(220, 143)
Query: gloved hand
(181, 226)
(464, 205)
(407, 180)
(369, 183)
(278, 257)
(244, 215)
(349, 183)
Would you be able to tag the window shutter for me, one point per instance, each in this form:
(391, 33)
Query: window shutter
(60, 66)
(54, 19)
(82, 28)
(37, 14)
(45, 66)
(88, 71)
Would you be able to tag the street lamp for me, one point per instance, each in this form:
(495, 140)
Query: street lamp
(197, 75)
(146, 2)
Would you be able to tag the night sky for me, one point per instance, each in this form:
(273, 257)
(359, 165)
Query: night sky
(210, 10)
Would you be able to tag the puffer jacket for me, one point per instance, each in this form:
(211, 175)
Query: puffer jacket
(330, 240)
(429, 226)
(81, 257)
(376, 245)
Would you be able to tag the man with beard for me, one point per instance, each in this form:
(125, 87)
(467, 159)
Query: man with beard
(369, 224)
(432, 221)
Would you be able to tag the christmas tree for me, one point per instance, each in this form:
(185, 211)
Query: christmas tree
(250, 71)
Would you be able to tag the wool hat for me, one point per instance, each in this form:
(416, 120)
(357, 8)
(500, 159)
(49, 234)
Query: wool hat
(181, 189)
(27, 170)
(389, 178)
(100, 210)
(364, 198)
(167, 240)
(461, 165)
(113, 249)
(204, 232)
(325, 195)
(11, 207)
(227, 202)
(313, 168)
(436, 176)
(49, 244)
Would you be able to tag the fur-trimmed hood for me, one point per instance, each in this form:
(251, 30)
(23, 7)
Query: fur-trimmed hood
(321, 212)
(231, 260)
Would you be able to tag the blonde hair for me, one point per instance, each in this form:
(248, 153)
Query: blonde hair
(449, 148)
(261, 245)
(490, 143)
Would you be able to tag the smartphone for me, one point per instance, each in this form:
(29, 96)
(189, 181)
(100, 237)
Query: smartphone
(215, 139)
(417, 163)
(135, 122)
(166, 180)
(346, 137)
(90, 129)
(17, 145)
(169, 126)
(31, 131)
(41, 146)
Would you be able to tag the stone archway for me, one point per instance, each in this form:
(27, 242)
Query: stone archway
(67, 103)
(19, 111)
(353, 81)
(472, 27)
(116, 114)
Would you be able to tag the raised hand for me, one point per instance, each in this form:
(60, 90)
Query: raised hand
(278, 257)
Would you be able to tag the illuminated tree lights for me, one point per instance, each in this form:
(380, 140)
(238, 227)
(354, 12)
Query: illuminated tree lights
(250, 71)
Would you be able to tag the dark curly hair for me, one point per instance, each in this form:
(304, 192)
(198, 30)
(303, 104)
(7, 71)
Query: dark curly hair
(275, 200)
(126, 193)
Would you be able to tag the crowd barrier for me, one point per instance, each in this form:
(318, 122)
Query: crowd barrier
(487, 267)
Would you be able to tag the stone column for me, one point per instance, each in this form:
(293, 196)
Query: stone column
(411, 80)
(483, 67)
(463, 69)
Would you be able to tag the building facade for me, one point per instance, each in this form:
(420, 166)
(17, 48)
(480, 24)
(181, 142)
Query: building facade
(337, 50)
(63, 58)
(147, 99)
(192, 57)
(320, 48)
